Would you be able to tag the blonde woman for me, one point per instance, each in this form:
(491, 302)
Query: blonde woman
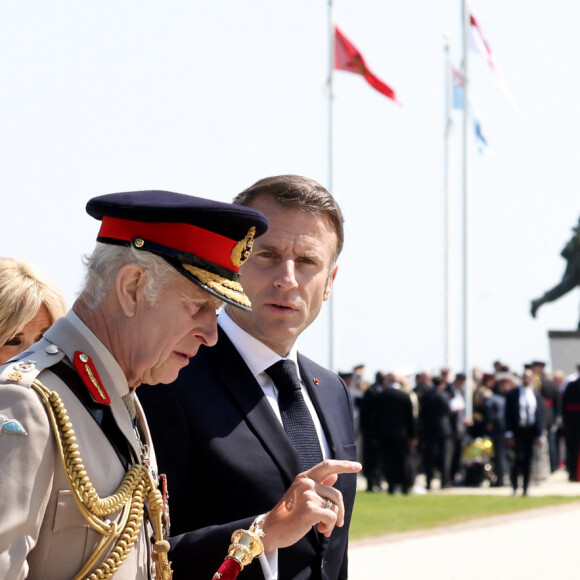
(30, 302)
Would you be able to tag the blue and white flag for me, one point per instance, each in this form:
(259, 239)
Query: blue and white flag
(480, 139)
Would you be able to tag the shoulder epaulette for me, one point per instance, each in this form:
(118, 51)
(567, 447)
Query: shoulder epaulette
(25, 369)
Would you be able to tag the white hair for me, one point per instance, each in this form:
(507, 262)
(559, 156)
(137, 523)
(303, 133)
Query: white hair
(105, 262)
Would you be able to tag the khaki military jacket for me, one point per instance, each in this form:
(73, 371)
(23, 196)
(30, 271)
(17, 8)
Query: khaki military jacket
(43, 534)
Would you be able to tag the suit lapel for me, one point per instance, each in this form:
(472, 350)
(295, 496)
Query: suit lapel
(319, 390)
(240, 384)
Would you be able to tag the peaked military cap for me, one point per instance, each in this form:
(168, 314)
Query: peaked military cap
(206, 241)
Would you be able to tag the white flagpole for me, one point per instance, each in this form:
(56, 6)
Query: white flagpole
(446, 220)
(331, 342)
(466, 216)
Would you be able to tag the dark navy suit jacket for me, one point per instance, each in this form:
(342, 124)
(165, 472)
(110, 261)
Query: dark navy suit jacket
(228, 460)
(512, 412)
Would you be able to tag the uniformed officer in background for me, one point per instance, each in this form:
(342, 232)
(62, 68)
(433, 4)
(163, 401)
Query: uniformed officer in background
(78, 488)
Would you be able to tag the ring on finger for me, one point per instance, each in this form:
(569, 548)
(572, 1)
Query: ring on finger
(329, 505)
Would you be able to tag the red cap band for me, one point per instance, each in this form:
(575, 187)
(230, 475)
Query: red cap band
(187, 238)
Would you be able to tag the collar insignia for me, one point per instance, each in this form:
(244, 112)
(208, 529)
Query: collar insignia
(90, 377)
(23, 366)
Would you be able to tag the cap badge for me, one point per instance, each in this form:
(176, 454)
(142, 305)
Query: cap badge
(243, 248)
(90, 377)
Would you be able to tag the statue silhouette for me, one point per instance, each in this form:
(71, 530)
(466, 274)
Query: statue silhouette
(571, 277)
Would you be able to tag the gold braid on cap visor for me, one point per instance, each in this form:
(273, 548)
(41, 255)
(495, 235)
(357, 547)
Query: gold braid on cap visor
(228, 288)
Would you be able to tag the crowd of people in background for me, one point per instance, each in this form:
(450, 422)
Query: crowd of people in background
(516, 429)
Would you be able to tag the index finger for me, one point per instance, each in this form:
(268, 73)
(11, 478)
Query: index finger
(332, 467)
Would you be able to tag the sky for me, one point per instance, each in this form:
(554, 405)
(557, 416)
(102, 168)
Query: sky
(206, 98)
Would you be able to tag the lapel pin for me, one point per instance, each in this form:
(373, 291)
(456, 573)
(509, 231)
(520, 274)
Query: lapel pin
(315, 381)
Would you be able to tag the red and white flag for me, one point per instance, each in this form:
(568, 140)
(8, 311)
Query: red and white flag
(478, 41)
(480, 45)
(347, 57)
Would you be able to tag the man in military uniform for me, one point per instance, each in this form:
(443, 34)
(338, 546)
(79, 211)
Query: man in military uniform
(77, 483)
(571, 278)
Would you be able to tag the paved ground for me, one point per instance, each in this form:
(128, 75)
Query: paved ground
(538, 544)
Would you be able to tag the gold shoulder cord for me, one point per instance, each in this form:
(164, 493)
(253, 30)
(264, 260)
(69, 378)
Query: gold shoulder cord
(129, 497)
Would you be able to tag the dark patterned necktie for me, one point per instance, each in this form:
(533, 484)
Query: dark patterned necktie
(296, 418)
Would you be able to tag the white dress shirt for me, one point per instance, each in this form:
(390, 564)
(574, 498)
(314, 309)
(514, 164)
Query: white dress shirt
(527, 406)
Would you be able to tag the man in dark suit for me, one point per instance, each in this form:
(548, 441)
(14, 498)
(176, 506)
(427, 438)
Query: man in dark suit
(423, 383)
(494, 425)
(371, 459)
(524, 424)
(227, 417)
(396, 433)
(456, 390)
(436, 430)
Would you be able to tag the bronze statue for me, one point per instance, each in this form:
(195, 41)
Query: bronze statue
(571, 277)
